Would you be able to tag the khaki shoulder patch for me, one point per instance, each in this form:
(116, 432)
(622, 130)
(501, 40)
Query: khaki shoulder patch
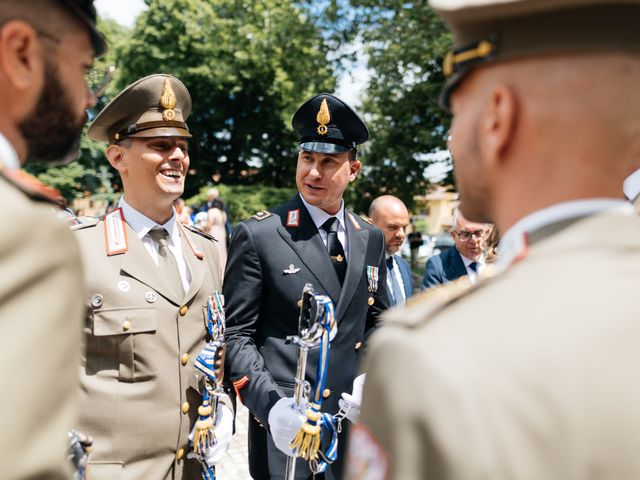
(421, 307)
(199, 231)
(261, 215)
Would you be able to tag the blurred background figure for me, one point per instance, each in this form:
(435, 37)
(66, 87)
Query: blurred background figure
(217, 222)
(467, 257)
(390, 215)
(182, 211)
(415, 242)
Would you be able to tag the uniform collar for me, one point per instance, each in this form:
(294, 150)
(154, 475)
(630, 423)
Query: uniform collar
(514, 241)
(8, 155)
(319, 216)
(142, 224)
(631, 185)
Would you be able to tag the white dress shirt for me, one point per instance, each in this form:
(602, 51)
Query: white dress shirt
(142, 225)
(473, 275)
(398, 276)
(631, 186)
(8, 156)
(514, 240)
(319, 216)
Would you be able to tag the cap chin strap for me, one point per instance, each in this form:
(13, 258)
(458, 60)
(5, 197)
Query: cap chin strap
(324, 147)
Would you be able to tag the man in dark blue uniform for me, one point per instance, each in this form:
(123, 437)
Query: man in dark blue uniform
(312, 239)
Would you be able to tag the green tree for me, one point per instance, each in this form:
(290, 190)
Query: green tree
(405, 43)
(248, 65)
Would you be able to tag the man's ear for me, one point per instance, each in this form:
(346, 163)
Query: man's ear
(498, 125)
(22, 62)
(354, 168)
(116, 156)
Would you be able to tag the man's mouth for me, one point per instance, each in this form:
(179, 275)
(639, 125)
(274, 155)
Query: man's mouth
(314, 188)
(172, 173)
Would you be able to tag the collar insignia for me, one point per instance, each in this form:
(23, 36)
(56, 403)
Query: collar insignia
(293, 218)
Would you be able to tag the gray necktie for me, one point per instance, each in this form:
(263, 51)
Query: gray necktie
(166, 261)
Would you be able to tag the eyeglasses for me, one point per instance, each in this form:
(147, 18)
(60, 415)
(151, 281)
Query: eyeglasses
(465, 235)
(97, 78)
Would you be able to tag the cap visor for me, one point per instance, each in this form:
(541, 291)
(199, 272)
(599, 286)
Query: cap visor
(322, 147)
(162, 132)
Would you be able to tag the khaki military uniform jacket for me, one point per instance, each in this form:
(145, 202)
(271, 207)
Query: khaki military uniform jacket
(529, 375)
(138, 403)
(40, 333)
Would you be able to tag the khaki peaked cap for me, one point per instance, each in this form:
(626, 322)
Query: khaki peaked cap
(154, 106)
(486, 31)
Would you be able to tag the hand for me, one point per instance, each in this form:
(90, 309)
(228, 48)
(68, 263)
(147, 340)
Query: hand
(284, 422)
(223, 432)
(350, 403)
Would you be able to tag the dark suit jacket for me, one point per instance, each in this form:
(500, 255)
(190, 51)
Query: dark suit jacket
(405, 273)
(261, 305)
(444, 268)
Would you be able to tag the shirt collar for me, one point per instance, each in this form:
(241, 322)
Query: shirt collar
(319, 216)
(142, 224)
(631, 185)
(468, 261)
(8, 155)
(513, 241)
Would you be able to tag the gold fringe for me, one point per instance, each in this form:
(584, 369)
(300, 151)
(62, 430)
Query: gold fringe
(204, 435)
(306, 443)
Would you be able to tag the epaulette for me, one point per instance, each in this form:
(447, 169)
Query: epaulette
(366, 219)
(421, 307)
(32, 187)
(85, 222)
(261, 215)
(199, 231)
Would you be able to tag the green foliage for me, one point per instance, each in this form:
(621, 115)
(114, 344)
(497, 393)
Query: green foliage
(248, 65)
(405, 42)
(242, 201)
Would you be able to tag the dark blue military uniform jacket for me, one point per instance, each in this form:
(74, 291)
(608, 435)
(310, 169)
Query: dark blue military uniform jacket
(262, 309)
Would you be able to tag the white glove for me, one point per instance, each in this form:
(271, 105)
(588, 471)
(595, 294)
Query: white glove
(350, 403)
(284, 422)
(223, 429)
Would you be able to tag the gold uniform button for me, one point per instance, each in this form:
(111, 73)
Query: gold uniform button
(185, 407)
(126, 325)
(370, 301)
(358, 345)
(184, 359)
(180, 454)
(183, 310)
(326, 393)
(299, 303)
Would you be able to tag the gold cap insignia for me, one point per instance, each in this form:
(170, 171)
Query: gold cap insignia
(323, 117)
(168, 101)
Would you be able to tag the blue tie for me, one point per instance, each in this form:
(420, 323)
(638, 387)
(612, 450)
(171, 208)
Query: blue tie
(474, 266)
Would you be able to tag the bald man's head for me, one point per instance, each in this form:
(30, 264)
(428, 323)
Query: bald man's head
(390, 215)
(535, 131)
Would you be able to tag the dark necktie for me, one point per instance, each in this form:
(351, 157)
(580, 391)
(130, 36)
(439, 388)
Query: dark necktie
(166, 261)
(474, 266)
(336, 252)
(397, 296)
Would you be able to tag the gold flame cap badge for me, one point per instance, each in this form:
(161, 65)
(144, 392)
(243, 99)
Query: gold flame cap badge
(323, 117)
(168, 101)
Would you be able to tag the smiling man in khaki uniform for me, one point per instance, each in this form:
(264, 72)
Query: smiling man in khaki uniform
(531, 374)
(148, 282)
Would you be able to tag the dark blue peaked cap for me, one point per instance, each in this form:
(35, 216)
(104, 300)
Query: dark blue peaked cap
(326, 124)
(86, 11)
